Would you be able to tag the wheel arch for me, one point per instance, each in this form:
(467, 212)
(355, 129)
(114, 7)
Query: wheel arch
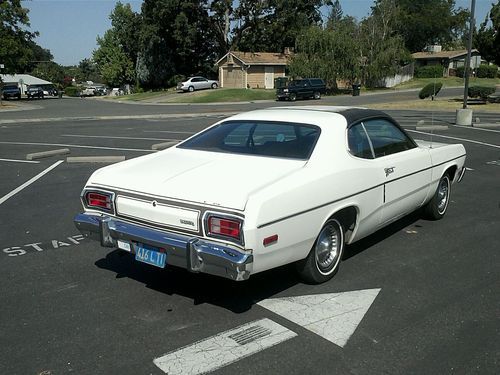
(348, 218)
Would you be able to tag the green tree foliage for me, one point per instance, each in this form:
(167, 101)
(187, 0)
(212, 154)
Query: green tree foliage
(487, 39)
(88, 71)
(328, 53)
(272, 25)
(176, 38)
(345, 50)
(383, 49)
(425, 22)
(220, 20)
(113, 64)
(49, 71)
(15, 51)
(126, 26)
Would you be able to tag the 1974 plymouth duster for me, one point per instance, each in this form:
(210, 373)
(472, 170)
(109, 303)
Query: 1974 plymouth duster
(265, 188)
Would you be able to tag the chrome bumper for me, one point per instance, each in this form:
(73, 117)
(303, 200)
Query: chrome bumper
(191, 253)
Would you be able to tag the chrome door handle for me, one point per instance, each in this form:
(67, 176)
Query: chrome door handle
(389, 170)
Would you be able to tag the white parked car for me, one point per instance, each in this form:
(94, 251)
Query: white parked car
(269, 187)
(197, 83)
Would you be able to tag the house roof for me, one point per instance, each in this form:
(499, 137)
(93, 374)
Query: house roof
(26, 79)
(258, 58)
(441, 55)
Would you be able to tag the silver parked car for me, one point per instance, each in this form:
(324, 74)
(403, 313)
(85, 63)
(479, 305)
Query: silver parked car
(197, 83)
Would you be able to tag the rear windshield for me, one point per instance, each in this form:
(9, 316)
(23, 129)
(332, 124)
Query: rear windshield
(10, 87)
(276, 139)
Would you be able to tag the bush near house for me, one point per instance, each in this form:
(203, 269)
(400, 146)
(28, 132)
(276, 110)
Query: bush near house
(72, 91)
(429, 71)
(430, 90)
(487, 71)
(460, 71)
(480, 91)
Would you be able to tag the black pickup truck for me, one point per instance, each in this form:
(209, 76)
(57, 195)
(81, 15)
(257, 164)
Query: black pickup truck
(11, 91)
(301, 89)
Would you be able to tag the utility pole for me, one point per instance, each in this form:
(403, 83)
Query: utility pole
(469, 49)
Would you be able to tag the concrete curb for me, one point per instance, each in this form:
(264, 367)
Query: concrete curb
(46, 154)
(95, 159)
(164, 145)
(432, 127)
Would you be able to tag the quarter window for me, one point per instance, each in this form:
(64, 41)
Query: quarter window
(386, 138)
(359, 145)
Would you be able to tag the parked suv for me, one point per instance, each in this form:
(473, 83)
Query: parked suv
(34, 92)
(11, 91)
(301, 89)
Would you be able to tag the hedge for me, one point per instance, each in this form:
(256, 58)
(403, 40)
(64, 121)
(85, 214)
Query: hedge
(480, 91)
(460, 71)
(429, 71)
(486, 71)
(72, 91)
(431, 90)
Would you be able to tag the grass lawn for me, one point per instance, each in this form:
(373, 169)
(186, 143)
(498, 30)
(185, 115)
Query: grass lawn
(224, 95)
(436, 105)
(417, 83)
(142, 95)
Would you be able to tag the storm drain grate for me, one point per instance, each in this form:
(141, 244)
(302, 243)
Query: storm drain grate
(250, 334)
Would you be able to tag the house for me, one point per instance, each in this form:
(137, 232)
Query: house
(450, 60)
(24, 81)
(251, 69)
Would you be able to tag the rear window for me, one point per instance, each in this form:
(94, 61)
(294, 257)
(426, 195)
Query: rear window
(317, 82)
(10, 87)
(262, 138)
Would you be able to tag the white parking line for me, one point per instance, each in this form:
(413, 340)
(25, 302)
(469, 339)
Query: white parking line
(223, 349)
(101, 136)
(476, 128)
(167, 131)
(29, 182)
(21, 161)
(76, 146)
(454, 138)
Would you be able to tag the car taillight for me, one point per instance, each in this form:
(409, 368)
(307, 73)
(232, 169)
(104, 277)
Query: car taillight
(99, 200)
(218, 226)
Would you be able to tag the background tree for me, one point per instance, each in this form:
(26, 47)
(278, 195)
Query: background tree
(126, 26)
(487, 39)
(49, 71)
(15, 51)
(176, 39)
(221, 12)
(425, 22)
(88, 71)
(113, 64)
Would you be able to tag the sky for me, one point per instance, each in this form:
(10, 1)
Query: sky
(68, 28)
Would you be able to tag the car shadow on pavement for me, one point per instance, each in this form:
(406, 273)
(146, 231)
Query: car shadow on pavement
(237, 297)
(381, 235)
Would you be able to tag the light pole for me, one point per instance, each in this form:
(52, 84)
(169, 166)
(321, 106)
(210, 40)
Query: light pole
(464, 115)
(469, 48)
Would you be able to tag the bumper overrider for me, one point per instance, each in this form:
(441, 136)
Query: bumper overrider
(192, 253)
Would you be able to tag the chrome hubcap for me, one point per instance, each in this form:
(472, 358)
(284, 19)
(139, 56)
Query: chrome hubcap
(328, 247)
(443, 193)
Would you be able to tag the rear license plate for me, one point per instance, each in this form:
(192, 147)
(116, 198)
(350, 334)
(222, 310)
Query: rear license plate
(150, 255)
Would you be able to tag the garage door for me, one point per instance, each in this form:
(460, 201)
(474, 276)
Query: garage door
(232, 77)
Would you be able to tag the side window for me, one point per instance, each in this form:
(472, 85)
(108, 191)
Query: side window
(359, 145)
(387, 138)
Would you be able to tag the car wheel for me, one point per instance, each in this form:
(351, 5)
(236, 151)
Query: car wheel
(323, 261)
(317, 95)
(191, 89)
(436, 207)
(214, 85)
(292, 97)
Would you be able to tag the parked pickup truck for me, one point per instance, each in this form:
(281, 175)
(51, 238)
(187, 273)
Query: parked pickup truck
(301, 89)
(11, 91)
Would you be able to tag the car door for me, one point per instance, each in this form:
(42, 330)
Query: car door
(405, 167)
(306, 90)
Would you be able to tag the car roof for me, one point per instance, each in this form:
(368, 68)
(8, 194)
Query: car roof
(351, 114)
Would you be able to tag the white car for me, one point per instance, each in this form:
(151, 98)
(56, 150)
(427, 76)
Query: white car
(197, 83)
(265, 188)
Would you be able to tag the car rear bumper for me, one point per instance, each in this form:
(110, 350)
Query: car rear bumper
(191, 253)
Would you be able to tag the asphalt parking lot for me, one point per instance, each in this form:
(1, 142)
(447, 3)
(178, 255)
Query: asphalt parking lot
(418, 297)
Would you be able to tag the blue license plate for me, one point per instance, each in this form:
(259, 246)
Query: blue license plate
(150, 255)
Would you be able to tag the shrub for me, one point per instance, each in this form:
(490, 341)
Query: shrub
(72, 91)
(460, 71)
(480, 91)
(429, 71)
(431, 90)
(486, 71)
